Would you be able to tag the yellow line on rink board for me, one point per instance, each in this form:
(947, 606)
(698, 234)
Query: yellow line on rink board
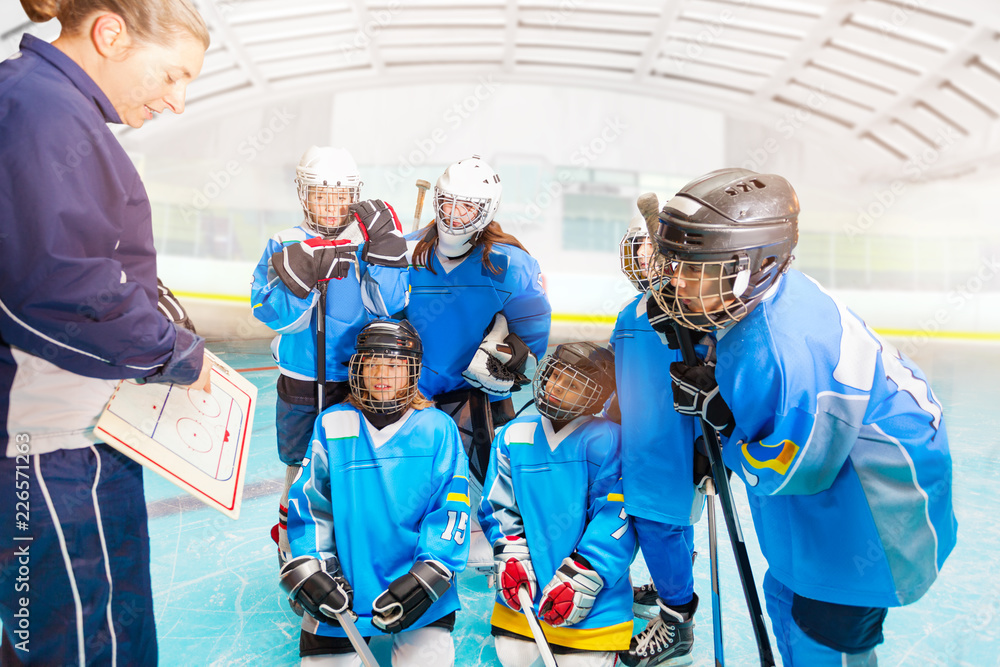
(580, 317)
(944, 335)
(214, 297)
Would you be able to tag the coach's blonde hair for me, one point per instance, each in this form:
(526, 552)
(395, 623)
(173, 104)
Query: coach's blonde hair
(159, 22)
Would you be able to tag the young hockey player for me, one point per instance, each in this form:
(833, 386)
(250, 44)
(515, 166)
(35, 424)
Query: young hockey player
(77, 314)
(837, 435)
(477, 300)
(657, 466)
(347, 255)
(379, 515)
(552, 507)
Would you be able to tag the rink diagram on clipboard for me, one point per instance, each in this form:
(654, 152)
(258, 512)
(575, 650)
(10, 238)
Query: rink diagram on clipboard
(202, 429)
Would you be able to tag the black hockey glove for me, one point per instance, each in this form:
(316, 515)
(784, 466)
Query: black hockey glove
(662, 324)
(171, 308)
(702, 464)
(319, 586)
(408, 597)
(385, 244)
(301, 266)
(696, 393)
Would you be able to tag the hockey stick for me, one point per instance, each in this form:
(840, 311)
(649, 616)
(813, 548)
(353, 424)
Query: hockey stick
(536, 630)
(721, 477)
(422, 188)
(320, 346)
(357, 641)
(713, 559)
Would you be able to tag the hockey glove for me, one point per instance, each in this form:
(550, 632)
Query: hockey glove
(407, 598)
(171, 308)
(514, 570)
(319, 586)
(702, 464)
(498, 365)
(696, 393)
(569, 597)
(301, 266)
(385, 243)
(662, 324)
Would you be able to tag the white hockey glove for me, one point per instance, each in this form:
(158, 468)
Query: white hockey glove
(696, 393)
(409, 596)
(319, 586)
(385, 244)
(514, 570)
(498, 365)
(569, 597)
(301, 266)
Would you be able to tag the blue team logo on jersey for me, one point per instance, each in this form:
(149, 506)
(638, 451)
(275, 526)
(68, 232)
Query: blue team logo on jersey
(776, 457)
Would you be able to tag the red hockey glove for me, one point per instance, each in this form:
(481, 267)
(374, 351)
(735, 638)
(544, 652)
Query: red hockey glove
(514, 569)
(569, 597)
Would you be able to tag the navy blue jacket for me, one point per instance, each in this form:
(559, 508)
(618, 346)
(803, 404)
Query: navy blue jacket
(77, 264)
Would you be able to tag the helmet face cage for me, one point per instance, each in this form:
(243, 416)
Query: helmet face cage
(635, 252)
(701, 295)
(563, 391)
(722, 242)
(465, 215)
(372, 369)
(325, 206)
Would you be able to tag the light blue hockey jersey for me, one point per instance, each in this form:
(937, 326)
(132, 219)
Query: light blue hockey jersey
(843, 448)
(562, 492)
(366, 293)
(657, 443)
(381, 501)
(451, 311)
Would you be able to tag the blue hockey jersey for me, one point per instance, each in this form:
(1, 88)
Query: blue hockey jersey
(843, 448)
(657, 442)
(452, 310)
(381, 501)
(366, 293)
(562, 492)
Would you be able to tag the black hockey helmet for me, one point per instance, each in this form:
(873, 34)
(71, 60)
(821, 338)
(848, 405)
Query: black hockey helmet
(385, 342)
(389, 336)
(582, 378)
(733, 226)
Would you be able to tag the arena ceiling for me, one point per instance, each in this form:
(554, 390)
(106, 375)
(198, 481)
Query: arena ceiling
(896, 79)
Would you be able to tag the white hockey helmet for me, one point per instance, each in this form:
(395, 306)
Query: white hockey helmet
(466, 197)
(328, 182)
(635, 252)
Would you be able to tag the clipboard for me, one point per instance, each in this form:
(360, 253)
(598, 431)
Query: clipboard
(195, 440)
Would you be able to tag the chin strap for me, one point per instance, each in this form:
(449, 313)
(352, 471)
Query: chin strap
(454, 247)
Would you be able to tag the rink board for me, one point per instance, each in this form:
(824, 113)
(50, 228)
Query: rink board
(196, 440)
